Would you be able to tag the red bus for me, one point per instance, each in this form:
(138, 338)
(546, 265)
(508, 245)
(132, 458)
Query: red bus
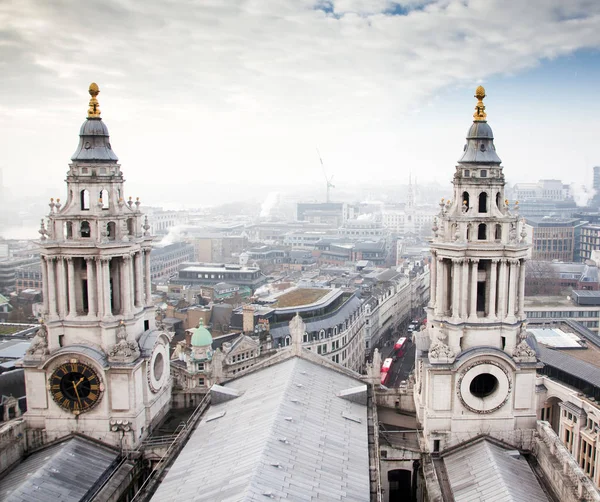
(387, 364)
(400, 346)
(384, 378)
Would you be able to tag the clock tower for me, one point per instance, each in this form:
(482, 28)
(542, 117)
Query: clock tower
(98, 365)
(475, 373)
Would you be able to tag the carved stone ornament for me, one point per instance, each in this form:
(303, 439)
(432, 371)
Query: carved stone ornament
(441, 352)
(39, 344)
(512, 235)
(124, 350)
(523, 352)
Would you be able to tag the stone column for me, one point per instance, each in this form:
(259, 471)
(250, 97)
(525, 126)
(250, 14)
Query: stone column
(139, 285)
(71, 287)
(45, 289)
(502, 289)
(99, 276)
(62, 287)
(456, 263)
(439, 289)
(432, 280)
(125, 277)
(106, 286)
(522, 290)
(473, 309)
(52, 306)
(91, 287)
(464, 297)
(512, 288)
(147, 279)
(493, 288)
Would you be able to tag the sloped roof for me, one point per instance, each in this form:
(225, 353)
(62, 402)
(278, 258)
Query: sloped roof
(63, 472)
(484, 471)
(287, 436)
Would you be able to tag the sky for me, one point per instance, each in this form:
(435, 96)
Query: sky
(216, 93)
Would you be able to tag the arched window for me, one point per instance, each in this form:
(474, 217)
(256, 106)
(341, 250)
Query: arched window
(498, 233)
(287, 341)
(483, 202)
(482, 232)
(85, 229)
(498, 200)
(469, 232)
(111, 230)
(69, 230)
(465, 198)
(103, 201)
(335, 331)
(130, 227)
(321, 334)
(85, 200)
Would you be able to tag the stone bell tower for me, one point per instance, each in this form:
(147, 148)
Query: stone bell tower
(474, 371)
(98, 365)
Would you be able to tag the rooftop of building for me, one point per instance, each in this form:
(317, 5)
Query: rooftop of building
(65, 471)
(298, 440)
(482, 470)
(298, 297)
(216, 267)
(16, 329)
(551, 302)
(551, 221)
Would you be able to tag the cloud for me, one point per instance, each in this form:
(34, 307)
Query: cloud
(208, 86)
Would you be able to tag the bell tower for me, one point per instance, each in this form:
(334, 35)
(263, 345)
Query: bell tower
(474, 371)
(98, 365)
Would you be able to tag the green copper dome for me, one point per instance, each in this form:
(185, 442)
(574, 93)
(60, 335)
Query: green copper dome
(201, 337)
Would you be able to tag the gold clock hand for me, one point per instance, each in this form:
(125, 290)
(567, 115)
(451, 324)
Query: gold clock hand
(75, 385)
(77, 393)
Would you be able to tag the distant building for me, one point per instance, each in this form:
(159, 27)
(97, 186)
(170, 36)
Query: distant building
(543, 189)
(582, 306)
(552, 238)
(335, 322)
(166, 260)
(162, 221)
(213, 273)
(330, 213)
(215, 248)
(28, 277)
(589, 239)
(9, 267)
(343, 251)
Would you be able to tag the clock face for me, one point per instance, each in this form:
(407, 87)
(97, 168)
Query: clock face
(75, 387)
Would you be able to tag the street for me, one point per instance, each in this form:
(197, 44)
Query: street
(402, 367)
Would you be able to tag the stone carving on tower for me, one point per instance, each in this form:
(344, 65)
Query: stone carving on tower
(98, 357)
(475, 372)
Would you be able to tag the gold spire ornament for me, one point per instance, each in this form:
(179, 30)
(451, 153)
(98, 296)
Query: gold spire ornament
(480, 115)
(94, 109)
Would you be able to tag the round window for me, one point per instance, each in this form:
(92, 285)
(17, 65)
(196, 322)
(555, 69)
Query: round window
(483, 385)
(159, 366)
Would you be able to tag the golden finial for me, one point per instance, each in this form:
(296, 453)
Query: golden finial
(94, 109)
(480, 114)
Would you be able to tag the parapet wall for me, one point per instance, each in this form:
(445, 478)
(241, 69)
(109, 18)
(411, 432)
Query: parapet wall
(560, 469)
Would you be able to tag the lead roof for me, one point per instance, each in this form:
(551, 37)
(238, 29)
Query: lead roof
(286, 437)
(486, 472)
(63, 472)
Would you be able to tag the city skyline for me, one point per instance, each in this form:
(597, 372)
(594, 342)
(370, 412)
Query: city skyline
(216, 95)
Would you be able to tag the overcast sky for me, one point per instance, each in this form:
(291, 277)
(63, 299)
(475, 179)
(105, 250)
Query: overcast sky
(214, 91)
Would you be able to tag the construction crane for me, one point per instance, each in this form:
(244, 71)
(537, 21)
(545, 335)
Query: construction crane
(327, 180)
